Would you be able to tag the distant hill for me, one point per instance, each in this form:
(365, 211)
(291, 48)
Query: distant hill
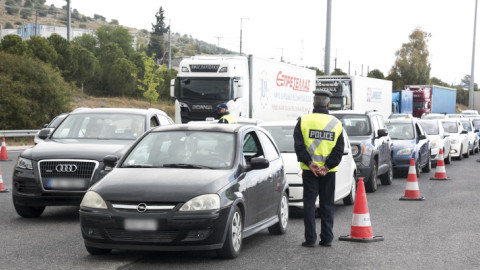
(15, 13)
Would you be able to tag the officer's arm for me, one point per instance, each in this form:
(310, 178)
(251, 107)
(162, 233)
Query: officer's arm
(337, 152)
(300, 149)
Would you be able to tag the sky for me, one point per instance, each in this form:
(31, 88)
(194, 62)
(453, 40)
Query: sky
(364, 34)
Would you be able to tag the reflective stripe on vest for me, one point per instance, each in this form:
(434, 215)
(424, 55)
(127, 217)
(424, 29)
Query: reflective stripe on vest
(319, 138)
(230, 119)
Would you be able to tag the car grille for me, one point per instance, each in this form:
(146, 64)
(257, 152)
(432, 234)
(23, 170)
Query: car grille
(26, 186)
(150, 207)
(83, 173)
(148, 237)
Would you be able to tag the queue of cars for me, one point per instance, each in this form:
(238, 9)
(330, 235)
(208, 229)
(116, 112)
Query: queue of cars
(207, 187)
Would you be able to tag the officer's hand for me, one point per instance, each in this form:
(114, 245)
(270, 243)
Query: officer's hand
(323, 171)
(314, 168)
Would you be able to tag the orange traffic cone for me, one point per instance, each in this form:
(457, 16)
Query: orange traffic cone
(3, 151)
(440, 173)
(361, 229)
(2, 188)
(412, 193)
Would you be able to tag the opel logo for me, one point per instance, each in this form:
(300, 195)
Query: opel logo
(142, 208)
(66, 168)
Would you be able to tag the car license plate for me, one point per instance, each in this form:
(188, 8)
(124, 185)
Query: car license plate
(65, 183)
(140, 224)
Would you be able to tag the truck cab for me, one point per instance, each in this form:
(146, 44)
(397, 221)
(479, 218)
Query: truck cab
(340, 87)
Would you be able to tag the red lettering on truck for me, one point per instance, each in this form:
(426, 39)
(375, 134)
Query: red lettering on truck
(296, 83)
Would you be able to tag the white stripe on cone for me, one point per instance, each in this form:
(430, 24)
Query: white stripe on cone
(440, 169)
(411, 170)
(412, 186)
(361, 220)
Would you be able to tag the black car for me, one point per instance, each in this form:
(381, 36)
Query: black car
(59, 170)
(188, 187)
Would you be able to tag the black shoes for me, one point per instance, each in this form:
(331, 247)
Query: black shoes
(306, 244)
(325, 244)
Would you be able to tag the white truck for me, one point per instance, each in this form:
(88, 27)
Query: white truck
(358, 93)
(251, 87)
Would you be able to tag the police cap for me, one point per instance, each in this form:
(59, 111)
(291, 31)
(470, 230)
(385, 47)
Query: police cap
(322, 93)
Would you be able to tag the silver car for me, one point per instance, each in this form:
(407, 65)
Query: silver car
(473, 144)
(438, 140)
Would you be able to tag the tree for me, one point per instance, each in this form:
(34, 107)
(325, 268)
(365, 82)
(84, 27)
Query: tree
(318, 72)
(115, 34)
(107, 55)
(33, 88)
(150, 80)
(376, 74)
(88, 67)
(14, 44)
(64, 55)
(412, 65)
(87, 41)
(42, 49)
(466, 83)
(156, 45)
(338, 71)
(437, 81)
(8, 25)
(11, 7)
(122, 78)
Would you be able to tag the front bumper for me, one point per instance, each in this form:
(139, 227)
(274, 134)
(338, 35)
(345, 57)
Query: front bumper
(455, 149)
(174, 231)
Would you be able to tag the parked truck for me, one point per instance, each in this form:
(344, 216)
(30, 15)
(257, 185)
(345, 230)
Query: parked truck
(432, 99)
(358, 93)
(402, 101)
(251, 87)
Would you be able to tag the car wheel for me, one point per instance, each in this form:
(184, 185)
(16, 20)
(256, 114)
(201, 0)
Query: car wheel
(350, 199)
(28, 211)
(467, 154)
(448, 159)
(478, 148)
(371, 184)
(460, 156)
(418, 167)
(386, 179)
(233, 242)
(281, 226)
(428, 167)
(97, 251)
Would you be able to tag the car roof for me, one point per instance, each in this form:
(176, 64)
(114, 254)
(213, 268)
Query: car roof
(229, 128)
(401, 120)
(279, 123)
(352, 112)
(118, 110)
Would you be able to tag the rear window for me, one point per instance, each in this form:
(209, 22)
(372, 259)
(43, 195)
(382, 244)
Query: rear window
(450, 127)
(355, 125)
(400, 131)
(431, 128)
(283, 136)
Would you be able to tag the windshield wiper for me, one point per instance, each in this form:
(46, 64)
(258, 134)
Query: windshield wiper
(187, 166)
(138, 166)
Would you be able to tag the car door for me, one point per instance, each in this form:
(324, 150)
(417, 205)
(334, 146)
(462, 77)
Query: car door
(422, 144)
(257, 181)
(382, 145)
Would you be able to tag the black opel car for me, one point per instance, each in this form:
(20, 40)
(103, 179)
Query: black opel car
(59, 170)
(188, 187)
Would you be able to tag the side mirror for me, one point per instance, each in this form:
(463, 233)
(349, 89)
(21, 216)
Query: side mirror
(172, 87)
(464, 132)
(259, 163)
(382, 132)
(422, 137)
(477, 130)
(446, 135)
(43, 134)
(110, 161)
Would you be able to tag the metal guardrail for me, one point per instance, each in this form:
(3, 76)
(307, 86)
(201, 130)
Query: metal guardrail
(18, 133)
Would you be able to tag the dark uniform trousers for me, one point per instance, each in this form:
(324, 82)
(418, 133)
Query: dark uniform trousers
(324, 187)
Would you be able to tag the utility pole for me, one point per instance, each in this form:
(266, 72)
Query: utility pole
(36, 20)
(69, 21)
(241, 24)
(281, 57)
(472, 79)
(169, 44)
(218, 44)
(327, 39)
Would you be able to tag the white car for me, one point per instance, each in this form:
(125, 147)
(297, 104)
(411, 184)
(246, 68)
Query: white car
(52, 125)
(473, 144)
(458, 138)
(438, 140)
(345, 184)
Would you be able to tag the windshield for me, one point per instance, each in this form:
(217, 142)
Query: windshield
(450, 127)
(355, 125)
(466, 125)
(434, 116)
(430, 127)
(400, 131)
(476, 123)
(418, 105)
(103, 126)
(283, 136)
(183, 149)
(56, 121)
(204, 88)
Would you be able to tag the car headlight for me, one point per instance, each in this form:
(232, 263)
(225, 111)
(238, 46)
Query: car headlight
(93, 200)
(355, 150)
(454, 141)
(404, 152)
(24, 163)
(202, 203)
(435, 143)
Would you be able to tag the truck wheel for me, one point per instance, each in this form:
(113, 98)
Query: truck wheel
(233, 241)
(97, 251)
(428, 166)
(371, 184)
(448, 159)
(467, 154)
(386, 179)
(350, 199)
(28, 211)
(281, 226)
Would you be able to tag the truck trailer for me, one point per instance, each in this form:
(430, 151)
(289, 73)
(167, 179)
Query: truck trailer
(357, 93)
(432, 99)
(251, 87)
(402, 101)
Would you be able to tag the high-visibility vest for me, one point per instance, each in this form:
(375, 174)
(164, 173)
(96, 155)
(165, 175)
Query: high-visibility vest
(320, 133)
(230, 119)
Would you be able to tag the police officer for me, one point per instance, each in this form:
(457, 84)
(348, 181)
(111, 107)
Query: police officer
(224, 115)
(319, 146)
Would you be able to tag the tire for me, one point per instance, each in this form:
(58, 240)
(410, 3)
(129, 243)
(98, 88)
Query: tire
(467, 154)
(428, 167)
(473, 150)
(460, 156)
(478, 148)
(387, 178)
(350, 199)
(371, 184)
(28, 211)
(233, 242)
(98, 251)
(448, 160)
(281, 227)
(418, 168)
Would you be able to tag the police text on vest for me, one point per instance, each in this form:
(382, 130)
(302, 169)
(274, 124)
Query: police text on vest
(321, 134)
